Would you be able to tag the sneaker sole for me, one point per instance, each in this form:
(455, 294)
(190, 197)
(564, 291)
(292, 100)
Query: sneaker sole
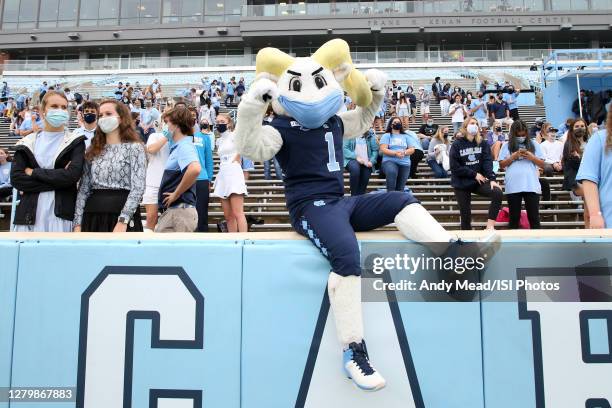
(366, 389)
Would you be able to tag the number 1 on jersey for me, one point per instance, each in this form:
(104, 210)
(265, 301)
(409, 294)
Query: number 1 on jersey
(332, 164)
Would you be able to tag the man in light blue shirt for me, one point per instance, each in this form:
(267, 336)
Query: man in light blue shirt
(595, 172)
(148, 116)
(231, 86)
(478, 108)
(511, 98)
(205, 85)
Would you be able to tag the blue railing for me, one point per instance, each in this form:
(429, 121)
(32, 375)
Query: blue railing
(574, 60)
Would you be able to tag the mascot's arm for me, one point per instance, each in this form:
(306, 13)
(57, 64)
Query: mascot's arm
(254, 140)
(356, 122)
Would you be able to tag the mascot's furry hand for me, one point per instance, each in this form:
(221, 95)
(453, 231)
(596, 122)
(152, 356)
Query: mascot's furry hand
(263, 91)
(376, 80)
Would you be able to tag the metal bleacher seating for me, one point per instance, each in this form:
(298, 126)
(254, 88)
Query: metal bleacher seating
(266, 200)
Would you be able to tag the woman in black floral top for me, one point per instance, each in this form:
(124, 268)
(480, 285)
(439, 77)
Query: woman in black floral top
(113, 181)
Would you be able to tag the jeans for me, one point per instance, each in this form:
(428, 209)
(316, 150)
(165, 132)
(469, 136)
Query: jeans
(202, 198)
(359, 176)
(396, 174)
(437, 168)
(231, 99)
(278, 173)
(456, 127)
(425, 142)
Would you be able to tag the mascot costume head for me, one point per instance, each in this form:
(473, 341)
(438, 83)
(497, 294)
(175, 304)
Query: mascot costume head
(307, 136)
(311, 89)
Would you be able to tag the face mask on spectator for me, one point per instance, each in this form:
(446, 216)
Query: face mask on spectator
(204, 127)
(166, 132)
(472, 129)
(397, 126)
(580, 132)
(498, 129)
(521, 139)
(108, 123)
(429, 122)
(222, 127)
(90, 118)
(445, 134)
(57, 117)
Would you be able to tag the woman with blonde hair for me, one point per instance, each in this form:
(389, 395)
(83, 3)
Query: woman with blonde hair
(437, 153)
(46, 168)
(229, 184)
(472, 172)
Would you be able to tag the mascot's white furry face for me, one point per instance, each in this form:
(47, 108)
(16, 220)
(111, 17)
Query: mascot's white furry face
(309, 92)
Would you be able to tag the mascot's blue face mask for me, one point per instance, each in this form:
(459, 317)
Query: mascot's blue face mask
(313, 115)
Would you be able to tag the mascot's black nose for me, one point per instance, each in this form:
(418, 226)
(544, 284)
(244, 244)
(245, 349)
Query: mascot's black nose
(266, 97)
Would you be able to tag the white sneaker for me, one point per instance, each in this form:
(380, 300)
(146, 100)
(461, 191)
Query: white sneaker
(358, 368)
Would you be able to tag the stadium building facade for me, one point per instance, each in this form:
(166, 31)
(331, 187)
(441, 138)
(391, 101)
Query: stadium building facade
(127, 34)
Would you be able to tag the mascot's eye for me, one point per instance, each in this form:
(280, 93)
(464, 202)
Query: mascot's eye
(295, 84)
(320, 82)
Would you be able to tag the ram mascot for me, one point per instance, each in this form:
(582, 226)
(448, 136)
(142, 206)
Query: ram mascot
(306, 137)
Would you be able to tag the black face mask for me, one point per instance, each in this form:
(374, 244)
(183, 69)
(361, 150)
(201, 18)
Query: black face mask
(222, 127)
(580, 132)
(445, 134)
(498, 129)
(90, 118)
(397, 126)
(203, 126)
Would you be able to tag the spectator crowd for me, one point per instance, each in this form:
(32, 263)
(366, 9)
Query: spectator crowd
(140, 147)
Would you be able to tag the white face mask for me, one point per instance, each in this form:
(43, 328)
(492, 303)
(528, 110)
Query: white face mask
(472, 129)
(108, 123)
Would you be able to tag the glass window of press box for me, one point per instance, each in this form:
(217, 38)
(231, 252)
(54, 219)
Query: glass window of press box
(288, 8)
(26, 14)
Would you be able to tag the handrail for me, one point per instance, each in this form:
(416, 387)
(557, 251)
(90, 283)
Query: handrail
(599, 58)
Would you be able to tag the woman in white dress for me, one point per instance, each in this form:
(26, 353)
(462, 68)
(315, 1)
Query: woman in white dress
(229, 184)
(47, 166)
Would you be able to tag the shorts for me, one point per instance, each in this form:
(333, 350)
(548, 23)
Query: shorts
(150, 195)
(424, 108)
(178, 220)
(403, 112)
(331, 224)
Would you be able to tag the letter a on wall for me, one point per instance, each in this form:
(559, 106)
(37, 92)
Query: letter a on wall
(324, 383)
